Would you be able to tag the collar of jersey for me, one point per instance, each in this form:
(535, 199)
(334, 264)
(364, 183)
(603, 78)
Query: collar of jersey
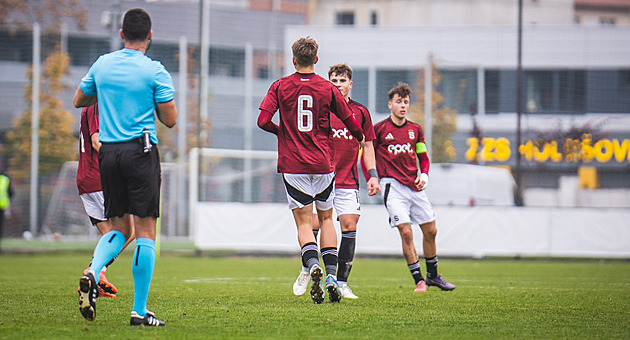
(394, 124)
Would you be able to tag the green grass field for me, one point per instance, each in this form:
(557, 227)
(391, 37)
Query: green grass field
(251, 297)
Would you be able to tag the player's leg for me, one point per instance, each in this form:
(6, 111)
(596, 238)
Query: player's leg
(143, 264)
(95, 209)
(302, 191)
(429, 233)
(301, 282)
(143, 180)
(328, 241)
(111, 243)
(422, 213)
(109, 246)
(348, 223)
(411, 255)
(348, 211)
(328, 249)
(324, 199)
(397, 199)
(316, 226)
(310, 258)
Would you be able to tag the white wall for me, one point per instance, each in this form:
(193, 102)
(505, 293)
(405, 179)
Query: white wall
(463, 231)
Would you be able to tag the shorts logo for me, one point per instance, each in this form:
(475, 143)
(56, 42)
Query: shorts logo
(412, 135)
(389, 136)
(341, 133)
(396, 218)
(398, 148)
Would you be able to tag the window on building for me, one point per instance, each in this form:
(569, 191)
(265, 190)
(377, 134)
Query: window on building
(373, 18)
(571, 89)
(538, 91)
(607, 21)
(166, 53)
(359, 92)
(228, 62)
(386, 80)
(624, 79)
(345, 18)
(262, 72)
(492, 91)
(459, 88)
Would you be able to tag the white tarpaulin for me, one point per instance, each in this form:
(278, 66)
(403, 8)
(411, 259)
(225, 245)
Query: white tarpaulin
(462, 231)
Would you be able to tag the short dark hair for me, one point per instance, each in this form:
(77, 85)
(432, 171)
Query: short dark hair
(136, 25)
(305, 51)
(341, 70)
(402, 89)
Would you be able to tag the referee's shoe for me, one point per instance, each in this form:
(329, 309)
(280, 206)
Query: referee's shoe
(147, 320)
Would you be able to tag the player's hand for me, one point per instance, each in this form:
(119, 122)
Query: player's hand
(362, 142)
(373, 186)
(422, 181)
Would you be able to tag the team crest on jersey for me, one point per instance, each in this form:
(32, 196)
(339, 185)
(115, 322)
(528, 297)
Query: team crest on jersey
(412, 134)
(389, 136)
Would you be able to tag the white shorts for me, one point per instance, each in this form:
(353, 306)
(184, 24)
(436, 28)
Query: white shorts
(405, 205)
(94, 204)
(346, 201)
(304, 189)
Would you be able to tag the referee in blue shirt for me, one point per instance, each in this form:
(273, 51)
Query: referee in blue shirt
(130, 88)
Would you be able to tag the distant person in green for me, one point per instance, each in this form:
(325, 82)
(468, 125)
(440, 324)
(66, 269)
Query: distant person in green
(6, 192)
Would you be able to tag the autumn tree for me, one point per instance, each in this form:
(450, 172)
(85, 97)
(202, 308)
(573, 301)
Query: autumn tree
(444, 118)
(20, 14)
(57, 140)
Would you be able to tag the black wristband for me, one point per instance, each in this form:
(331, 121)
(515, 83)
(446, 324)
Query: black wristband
(373, 173)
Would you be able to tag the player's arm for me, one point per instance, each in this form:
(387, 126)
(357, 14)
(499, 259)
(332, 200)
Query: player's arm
(265, 123)
(167, 113)
(369, 161)
(422, 180)
(96, 144)
(354, 127)
(81, 100)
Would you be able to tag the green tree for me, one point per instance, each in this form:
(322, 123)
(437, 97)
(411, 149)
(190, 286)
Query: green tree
(444, 118)
(57, 140)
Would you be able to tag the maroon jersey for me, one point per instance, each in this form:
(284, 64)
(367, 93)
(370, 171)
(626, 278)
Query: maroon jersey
(347, 147)
(88, 175)
(395, 149)
(305, 102)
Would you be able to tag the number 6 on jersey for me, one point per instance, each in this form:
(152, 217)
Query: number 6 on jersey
(304, 115)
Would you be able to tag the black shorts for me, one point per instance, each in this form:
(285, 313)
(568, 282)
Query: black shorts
(130, 179)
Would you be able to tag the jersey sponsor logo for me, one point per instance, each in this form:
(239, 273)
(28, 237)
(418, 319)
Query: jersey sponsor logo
(341, 133)
(412, 135)
(389, 136)
(400, 148)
